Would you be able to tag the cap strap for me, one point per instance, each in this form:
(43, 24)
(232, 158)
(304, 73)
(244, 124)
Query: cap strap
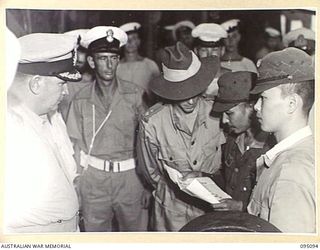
(178, 75)
(231, 101)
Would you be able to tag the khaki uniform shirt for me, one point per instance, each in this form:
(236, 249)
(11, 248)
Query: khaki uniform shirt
(285, 192)
(116, 139)
(165, 140)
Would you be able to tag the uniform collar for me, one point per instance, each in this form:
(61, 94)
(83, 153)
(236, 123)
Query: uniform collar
(285, 144)
(200, 119)
(257, 141)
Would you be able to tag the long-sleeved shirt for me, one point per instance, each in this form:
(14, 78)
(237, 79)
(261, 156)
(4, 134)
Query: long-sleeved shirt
(285, 191)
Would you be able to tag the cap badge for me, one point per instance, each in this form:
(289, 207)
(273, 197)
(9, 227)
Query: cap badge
(258, 63)
(110, 36)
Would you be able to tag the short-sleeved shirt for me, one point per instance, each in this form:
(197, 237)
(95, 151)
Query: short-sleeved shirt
(244, 64)
(116, 139)
(285, 192)
(139, 72)
(239, 164)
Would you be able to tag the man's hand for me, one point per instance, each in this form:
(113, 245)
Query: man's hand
(145, 199)
(228, 205)
(191, 174)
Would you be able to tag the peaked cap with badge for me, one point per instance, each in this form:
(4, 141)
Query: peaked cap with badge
(209, 35)
(48, 54)
(234, 88)
(290, 65)
(104, 39)
(184, 74)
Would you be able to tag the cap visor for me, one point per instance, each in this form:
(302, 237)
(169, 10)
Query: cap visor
(219, 107)
(262, 87)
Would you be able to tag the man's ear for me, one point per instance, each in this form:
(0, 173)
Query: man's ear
(34, 84)
(90, 62)
(294, 100)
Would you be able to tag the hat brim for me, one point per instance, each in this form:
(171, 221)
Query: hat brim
(190, 87)
(262, 87)
(219, 107)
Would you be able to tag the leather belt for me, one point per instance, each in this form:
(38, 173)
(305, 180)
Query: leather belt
(105, 165)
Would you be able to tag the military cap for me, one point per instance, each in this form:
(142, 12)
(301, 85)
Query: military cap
(48, 54)
(231, 25)
(12, 56)
(290, 65)
(179, 25)
(184, 74)
(131, 27)
(234, 88)
(209, 34)
(271, 32)
(104, 39)
(78, 33)
(294, 34)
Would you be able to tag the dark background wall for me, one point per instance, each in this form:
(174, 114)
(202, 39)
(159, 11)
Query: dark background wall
(253, 22)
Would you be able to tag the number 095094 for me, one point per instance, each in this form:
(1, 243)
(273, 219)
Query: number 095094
(308, 246)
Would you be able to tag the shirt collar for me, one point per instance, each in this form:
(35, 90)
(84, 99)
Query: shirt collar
(255, 143)
(201, 117)
(285, 144)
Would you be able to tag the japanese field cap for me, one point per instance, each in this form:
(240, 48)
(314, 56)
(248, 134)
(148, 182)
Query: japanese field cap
(231, 25)
(48, 54)
(271, 32)
(104, 39)
(132, 27)
(180, 25)
(12, 56)
(184, 74)
(290, 65)
(209, 35)
(294, 35)
(234, 88)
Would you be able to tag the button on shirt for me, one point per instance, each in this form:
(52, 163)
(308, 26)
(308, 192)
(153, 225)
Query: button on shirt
(166, 140)
(116, 139)
(285, 192)
(239, 165)
(39, 181)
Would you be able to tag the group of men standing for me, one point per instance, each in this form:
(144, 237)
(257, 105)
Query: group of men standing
(114, 167)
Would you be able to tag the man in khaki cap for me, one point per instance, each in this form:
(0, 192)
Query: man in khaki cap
(245, 142)
(102, 122)
(40, 169)
(285, 191)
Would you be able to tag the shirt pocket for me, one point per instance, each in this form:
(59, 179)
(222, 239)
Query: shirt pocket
(174, 157)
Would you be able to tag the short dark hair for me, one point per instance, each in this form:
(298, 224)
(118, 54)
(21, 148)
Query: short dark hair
(304, 89)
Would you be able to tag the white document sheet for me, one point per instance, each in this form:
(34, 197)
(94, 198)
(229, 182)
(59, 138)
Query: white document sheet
(200, 187)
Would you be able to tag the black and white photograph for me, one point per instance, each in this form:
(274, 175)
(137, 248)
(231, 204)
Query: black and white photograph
(160, 120)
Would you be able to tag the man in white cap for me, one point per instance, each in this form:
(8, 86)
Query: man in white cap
(181, 32)
(133, 67)
(40, 170)
(180, 134)
(210, 42)
(231, 58)
(102, 122)
(272, 42)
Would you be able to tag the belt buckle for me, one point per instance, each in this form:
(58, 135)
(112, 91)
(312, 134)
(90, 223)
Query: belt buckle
(111, 166)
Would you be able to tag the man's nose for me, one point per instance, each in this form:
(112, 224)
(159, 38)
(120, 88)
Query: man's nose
(225, 118)
(191, 101)
(257, 106)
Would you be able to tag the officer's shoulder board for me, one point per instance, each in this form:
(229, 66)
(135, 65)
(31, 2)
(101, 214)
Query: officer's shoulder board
(153, 110)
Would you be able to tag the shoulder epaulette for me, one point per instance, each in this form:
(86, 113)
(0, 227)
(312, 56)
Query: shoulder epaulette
(153, 110)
